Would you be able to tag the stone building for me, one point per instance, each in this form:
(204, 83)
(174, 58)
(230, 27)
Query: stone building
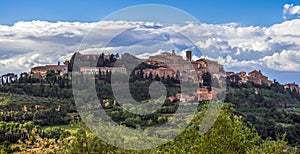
(184, 98)
(292, 87)
(243, 76)
(161, 72)
(204, 94)
(41, 71)
(90, 57)
(95, 70)
(254, 76)
(170, 63)
(258, 78)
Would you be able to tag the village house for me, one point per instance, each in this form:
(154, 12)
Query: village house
(258, 78)
(161, 72)
(254, 76)
(292, 87)
(95, 70)
(184, 98)
(41, 71)
(201, 93)
(172, 98)
(243, 76)
(204, 94)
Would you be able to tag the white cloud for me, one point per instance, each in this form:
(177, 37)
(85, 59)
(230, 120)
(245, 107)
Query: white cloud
(147, 54)
(27, 44)
(31, 43)
(287, 60)
(290, 9)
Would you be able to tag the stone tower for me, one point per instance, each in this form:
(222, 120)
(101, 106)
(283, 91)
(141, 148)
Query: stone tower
(189, 55)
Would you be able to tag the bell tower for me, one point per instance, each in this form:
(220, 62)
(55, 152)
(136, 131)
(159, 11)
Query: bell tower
(189, 55)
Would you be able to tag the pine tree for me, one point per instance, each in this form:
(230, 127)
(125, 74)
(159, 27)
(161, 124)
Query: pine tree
(157, 78)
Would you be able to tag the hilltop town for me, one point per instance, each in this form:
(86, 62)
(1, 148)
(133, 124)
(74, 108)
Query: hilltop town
(258, 78)
(165, 65)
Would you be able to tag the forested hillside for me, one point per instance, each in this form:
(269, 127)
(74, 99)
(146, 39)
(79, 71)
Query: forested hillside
(272, 110)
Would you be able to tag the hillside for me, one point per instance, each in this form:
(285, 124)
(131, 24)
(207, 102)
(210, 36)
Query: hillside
(42, 109)
(272, 110)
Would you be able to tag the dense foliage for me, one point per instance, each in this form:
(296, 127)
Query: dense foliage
(271, 109)
(229, 134)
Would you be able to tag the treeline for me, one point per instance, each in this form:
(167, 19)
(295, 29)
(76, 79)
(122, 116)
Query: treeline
(53, 85)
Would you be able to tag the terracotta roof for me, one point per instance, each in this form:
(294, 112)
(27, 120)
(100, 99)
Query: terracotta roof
(254, 71)
(291, 84)
(49, 67)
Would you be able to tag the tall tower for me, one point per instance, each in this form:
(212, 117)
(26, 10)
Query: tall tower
(189, 55)
(173, 52)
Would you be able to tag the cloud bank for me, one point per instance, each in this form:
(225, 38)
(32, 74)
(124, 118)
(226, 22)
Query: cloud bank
(32, 43)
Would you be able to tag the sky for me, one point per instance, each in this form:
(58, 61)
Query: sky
(243, 35)
(246, 12)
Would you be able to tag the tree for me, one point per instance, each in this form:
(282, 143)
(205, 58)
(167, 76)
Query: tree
(207, 79)
(169, 81)
(30, 80)
(108, 76)
(41, 91)
(141, 75)
(11, 77)
(117, 56)
(51, 77)
(133, 76)
(61, 82)
(150, 77)
(177, 75)
(99, 74)
(4, 79)
(23, 78)
(100, 62)
(163, 79)
(112, 60)
(157, 78)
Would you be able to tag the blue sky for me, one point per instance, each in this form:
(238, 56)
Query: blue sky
(251, 12)
(244, 35)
